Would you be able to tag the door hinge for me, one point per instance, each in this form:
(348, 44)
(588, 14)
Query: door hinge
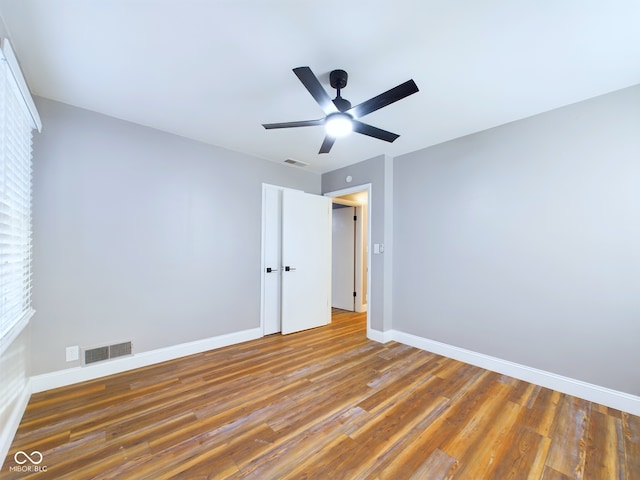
(354, 294)
(355, 218)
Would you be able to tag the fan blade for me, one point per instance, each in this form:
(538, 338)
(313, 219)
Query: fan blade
(387, 98)
(327, 144)
(302, 123)
(311, 83)
(374, 132)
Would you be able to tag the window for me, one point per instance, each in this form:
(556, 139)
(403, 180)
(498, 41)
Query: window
(18, 118)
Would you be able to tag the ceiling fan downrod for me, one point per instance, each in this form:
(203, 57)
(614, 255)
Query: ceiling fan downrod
(338, 80)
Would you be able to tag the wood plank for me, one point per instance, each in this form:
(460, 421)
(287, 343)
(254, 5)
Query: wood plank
(568, 450)
(479, 458)
(524, 456)
(437, 466)
(541, 413)
(631, 433)
(606, 447)
(551, 474)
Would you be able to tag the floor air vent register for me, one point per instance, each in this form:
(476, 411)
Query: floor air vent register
(100, 354)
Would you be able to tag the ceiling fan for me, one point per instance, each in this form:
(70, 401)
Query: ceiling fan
(340, 117)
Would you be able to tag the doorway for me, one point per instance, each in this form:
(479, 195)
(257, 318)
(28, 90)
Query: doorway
(271, 281)
(354, 202)
(349, 252)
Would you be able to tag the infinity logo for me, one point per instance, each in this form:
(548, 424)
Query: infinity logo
(35, 458)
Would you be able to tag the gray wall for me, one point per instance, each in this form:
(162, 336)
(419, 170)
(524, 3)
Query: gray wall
(142, 235)
(522, 242)
(373, 171)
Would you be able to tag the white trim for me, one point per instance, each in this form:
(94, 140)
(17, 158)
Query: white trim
(8, 339)
(263, 222)
(7, 54)
(387, 259)
(61, 378)
(378, 336)
(588, 391)
(8, 432)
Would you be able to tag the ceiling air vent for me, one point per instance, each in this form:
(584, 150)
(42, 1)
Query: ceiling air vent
(297, 163)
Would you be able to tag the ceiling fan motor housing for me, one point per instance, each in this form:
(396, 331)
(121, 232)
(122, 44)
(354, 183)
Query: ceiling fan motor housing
(338, 79)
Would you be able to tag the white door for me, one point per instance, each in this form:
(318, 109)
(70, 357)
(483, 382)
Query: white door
(343, 258)
(272, 238)
(306, 261)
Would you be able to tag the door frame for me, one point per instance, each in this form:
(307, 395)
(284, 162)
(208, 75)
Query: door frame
(360, 306)
(366, 187)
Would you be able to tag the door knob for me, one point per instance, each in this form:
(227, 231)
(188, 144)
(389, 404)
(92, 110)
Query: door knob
(288, 268)
(269, 269)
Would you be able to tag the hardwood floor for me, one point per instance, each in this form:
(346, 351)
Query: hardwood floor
(327, 404)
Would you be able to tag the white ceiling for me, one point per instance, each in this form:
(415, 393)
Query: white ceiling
(215, 70)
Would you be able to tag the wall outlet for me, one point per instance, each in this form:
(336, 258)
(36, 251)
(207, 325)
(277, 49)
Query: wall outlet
(73, 353)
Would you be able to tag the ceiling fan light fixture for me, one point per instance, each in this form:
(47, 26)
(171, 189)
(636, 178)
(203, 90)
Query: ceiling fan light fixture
(338, 124)
(340, 117)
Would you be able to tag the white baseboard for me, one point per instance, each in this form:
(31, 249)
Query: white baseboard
(378, 336)
(70, 376)
(594, 393)
(9, 430)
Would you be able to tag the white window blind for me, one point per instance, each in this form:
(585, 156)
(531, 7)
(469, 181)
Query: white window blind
(17, 121)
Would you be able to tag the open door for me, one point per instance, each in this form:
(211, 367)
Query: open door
(343, 265)
(306, 261)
